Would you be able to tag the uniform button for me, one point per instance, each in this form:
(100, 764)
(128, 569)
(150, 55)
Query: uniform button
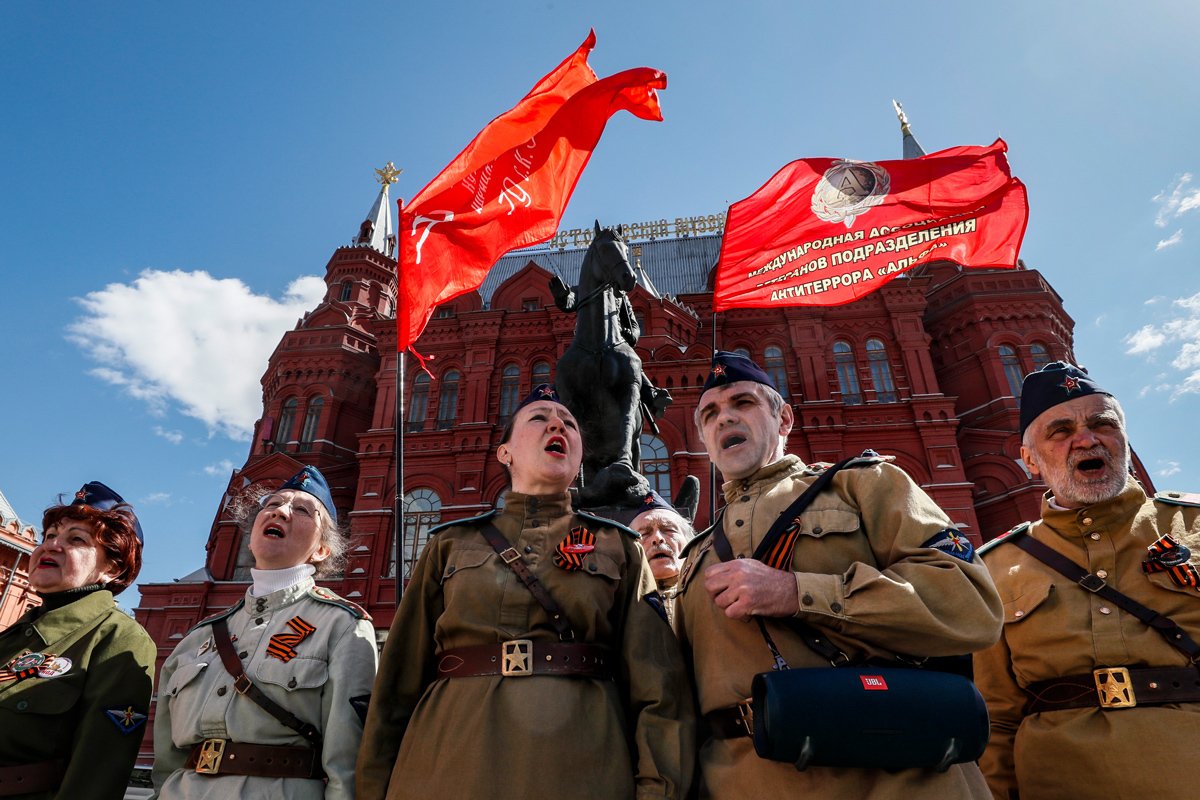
(292, 683)
(221, 692)
(1087, 520)
(835, 608)
(528, 549)
(242, 654)
(450, 569)
(740, 522)
(591, 567)
(258, 621)
(1172, 494)
(1105, 610)
(22, 705)
(535, 524)
(818, 529)
(807, 600)
(1094, 536)
(745, 498)
(1018, 613)
(1101, 573)
(29, 631)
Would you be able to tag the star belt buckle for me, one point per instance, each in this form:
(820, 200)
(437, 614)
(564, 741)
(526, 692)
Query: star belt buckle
(516, 658)
(211, 753)
(1114, 689)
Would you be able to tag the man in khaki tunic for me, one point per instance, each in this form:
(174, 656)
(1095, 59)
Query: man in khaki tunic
(877, 567)
(1086, 700)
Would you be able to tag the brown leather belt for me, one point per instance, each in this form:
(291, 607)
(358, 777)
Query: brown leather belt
(1116, 687)
(519, 658)
(223, 757)
(27, 778)
(733, 722)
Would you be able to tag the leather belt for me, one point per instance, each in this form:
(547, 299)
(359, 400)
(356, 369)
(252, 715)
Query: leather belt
(519, 658)
(733, 722)
(43, 776)
(1116, 687)
(224, 757)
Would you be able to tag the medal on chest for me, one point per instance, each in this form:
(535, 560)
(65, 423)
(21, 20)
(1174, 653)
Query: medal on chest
(570, 551)
(30, 665)
(1171, 556)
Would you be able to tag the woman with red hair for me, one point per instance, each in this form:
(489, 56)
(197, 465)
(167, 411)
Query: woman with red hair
(76, 672)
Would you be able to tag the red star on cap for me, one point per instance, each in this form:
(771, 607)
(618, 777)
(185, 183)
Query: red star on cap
(547, 392)
(718, 370)
(81, 495)
(1071, 384)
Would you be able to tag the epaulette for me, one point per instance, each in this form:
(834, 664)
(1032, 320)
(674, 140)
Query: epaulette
(1190, 499)
(610, 523)
(219, 615)
(323, 595)
(867, 459)
(1012, 535)
(467, 521)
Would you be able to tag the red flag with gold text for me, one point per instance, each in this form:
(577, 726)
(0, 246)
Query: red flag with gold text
(824, 231)
(508, 188)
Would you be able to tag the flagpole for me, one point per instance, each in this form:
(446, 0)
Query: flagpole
(398, 447)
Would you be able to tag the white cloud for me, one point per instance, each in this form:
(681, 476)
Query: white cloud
(191, 341)
(1169, 468)
(1182, 331)
(1099, 321)
(174, 437)
(157, 499)
(1172, 240)
(1158, 298)
(1176, 201)
(221, 468)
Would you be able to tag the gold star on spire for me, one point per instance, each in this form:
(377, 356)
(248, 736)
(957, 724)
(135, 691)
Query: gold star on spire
(387, 175)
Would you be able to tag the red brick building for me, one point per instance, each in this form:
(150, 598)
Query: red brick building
(17, 540)
(927, 370)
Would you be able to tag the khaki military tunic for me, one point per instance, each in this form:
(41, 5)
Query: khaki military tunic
(868, 582)
(88, 705)
(1054, 628)
(196, 699)
(535, 736)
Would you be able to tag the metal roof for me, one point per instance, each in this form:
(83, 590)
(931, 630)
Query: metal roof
(674, 266)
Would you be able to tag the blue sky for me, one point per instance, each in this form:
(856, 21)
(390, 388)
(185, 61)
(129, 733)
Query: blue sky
(176, 178)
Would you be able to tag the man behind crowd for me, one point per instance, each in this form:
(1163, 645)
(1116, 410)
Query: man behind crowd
(663, 532)
(876, 567)
(1086, 699)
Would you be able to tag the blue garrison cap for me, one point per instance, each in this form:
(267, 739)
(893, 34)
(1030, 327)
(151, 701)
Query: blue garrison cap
(543, 391)
(734, 367)
(311, 480)
(102, 498)
(1056, 382)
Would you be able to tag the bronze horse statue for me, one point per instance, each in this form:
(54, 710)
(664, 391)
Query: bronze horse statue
(600, 375)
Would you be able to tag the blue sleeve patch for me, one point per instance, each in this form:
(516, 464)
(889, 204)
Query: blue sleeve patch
(126, 719)
(655, 601)
(951, 541)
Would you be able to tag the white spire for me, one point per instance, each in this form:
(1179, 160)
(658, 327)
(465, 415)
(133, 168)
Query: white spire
(376, 230)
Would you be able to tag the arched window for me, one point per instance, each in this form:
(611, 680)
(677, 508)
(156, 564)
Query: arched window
(1039, 355)
(510, 392)
(287, 421)
(422, 511)
(881, 372)
(655, 464)
(312, 418)
(741, 351)
(448, 400)
(773, 361)
(347, 290)
(1012, 370)
(847, 373)
(418, 404)
(541, 374)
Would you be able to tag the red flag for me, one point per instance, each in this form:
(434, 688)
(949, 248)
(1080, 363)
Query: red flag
(824, 231)
(509, 187)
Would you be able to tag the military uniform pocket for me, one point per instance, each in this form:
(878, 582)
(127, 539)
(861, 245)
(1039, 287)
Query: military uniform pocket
(183, 676)
(601, 566)
(829, 521)
(465, 559)
(301, 672)
(49, 696)
(1030, 598)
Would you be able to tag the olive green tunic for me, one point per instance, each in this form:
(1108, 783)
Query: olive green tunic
(868, 582)
(537, 736)
(91, 713)
(1053, 628)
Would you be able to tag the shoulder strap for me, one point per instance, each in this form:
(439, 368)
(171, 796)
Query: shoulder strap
(1164, 626)
(244, 686)
(509, 555)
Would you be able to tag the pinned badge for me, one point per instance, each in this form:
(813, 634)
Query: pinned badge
(283, 645)
(570, 551)
(54, 667)
(1171, 556)
(27, 665)
(126, 719)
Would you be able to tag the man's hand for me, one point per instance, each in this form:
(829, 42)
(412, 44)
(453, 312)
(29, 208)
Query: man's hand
(747, 588)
